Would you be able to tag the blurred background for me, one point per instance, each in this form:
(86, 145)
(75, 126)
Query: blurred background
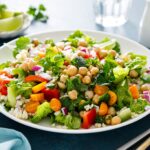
(79, 14)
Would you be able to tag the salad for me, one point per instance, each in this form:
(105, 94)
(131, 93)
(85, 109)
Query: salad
(76, 83)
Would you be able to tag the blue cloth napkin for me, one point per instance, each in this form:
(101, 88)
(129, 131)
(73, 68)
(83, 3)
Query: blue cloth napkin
(13, 140)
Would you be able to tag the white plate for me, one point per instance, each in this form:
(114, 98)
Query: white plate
(126, 45)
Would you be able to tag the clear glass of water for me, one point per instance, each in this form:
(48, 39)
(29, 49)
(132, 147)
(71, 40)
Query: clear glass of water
(112, 13)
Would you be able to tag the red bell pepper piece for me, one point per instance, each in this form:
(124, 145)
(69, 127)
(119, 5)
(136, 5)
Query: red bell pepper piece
(3, 87)
(89, 118)
(51, 93)
(86, 56)
(35, 78)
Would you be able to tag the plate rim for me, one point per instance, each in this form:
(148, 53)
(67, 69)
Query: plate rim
(71, 131)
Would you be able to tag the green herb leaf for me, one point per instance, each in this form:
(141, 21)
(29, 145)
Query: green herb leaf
(38, 13)
(139, 106)
(79, 62)
(123, 94)
(21, 44)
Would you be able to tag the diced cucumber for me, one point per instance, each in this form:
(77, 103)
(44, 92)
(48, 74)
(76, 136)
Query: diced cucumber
(11, 97)
(125, 114)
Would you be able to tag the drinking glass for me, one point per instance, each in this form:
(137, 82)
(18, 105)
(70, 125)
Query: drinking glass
(112, 13)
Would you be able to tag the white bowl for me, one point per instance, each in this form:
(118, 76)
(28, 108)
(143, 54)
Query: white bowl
(126, 45)
(26, 21)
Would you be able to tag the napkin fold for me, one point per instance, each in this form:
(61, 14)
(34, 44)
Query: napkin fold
(13, 140)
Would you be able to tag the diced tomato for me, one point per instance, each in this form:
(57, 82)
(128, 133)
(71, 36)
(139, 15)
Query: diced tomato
(66, 63)
(3, 87)
(35, 78)
(51, 93)
(89, 118)
(86, 56)
(6, 74)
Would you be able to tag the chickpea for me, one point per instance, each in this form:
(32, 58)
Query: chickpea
(63, 78)
(60, 45)
(112, 52)
(125, 57)
(115, 120)
(64, 71)
(89, 94)
(145, 87)
(96, 48)
(83, 70)
(94, 70)
(95, 99)
(81, 114)
(120, 62)
(108, 119)
(73, 94)
(80, 76)
(82, 102)
(28, 64)
(80, 53)
(98, 125)
(86, 80)
(61, 85)
(133, 74)
(111, 111)
(103, 53)
(35, 42)
(72, 70)
(82, 42)
(89, 74)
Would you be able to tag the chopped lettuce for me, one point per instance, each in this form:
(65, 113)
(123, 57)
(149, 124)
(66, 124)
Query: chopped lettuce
(108, 69)
(136, 62)
(21, 88)
(120, 73)
(123, 94)
(53, 61)
(50, 42)
(138, 106)
(106, 76)
(146, 78)
(74, 38)
(42, 111)
(21, 44)
(4, 65)
(20, 72)
(109, 44)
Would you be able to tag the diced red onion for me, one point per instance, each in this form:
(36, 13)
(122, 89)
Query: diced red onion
(36, 68)
(84, 49)
(146, 92)
(146, 95)
(67, 47)
(64, 111)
